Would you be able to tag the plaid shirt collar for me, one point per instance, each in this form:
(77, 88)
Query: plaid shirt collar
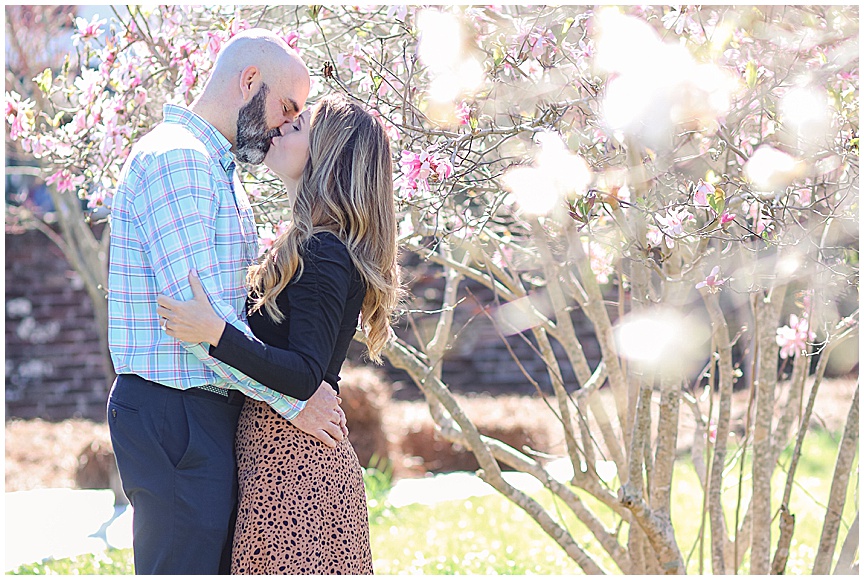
(217, 145)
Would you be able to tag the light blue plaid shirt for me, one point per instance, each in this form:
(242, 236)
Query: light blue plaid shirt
(180, 206)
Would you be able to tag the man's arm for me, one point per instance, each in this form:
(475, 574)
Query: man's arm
(176, 217)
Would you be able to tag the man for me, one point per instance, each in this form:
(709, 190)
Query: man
(173, 409)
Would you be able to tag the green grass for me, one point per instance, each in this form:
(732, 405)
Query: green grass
(490, 535)
(108, 563)
(483, 535)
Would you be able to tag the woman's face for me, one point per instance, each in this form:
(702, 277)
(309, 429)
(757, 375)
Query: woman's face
(288, 153)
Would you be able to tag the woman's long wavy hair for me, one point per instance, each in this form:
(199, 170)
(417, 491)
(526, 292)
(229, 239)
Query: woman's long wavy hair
(346, 188)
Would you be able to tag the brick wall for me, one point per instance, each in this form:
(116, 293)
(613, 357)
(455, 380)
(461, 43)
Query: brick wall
(54, 369)
(53, 366)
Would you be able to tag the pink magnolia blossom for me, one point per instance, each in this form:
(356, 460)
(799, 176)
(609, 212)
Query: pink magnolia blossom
(793, 338)
(140, 97)
(108, 54)
(536, 40)
(726, 218)
(292, 39)
(80, 122)
(703, 190)
(19, 115)
(654, 235)
(125, 75)
(585, 49)
(105, 68)
(713, 281)
(675, 17)
(87, 31)
(34, 144)
(182, 51)
(367, 84)
(238, 24)
(16, 127)
(214, 45)
(131, 32)
(673, 223)
(399, 11)
(99, 198)
(90, 86)
(463, 113)
(761, 221)
(352, 60)
(189, 77)
(252, 190)
(389, 128)
(419, 168)
(114, 106)
(601, 258)
(65, 181)
(532, 69)
(503, 257)
(712, 433)
(171, 20)
(116, 139)
(267, 235)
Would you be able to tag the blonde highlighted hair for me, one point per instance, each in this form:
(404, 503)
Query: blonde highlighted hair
(346, 188)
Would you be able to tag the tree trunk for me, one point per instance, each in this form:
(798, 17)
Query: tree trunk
(719, 535)
(837, 497)
(847, 552)
(767, 311)
(402, 356)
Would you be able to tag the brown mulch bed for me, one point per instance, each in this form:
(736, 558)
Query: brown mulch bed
(41, 454)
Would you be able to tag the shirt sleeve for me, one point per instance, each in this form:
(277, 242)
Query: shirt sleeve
(176, 217)
(316, 303)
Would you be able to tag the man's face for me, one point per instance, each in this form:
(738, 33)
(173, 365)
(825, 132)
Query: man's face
(253, 133)
(267, 111)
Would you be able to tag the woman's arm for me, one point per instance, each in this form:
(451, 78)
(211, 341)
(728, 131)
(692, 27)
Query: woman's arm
(317, 301)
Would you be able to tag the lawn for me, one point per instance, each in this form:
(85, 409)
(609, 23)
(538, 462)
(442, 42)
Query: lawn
(489, 535)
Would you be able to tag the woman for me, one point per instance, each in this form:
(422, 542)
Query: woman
(302, 506)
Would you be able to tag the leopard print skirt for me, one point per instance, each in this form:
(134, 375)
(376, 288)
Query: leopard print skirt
(302, 505)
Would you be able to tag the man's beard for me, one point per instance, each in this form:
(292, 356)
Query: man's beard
(253, 135)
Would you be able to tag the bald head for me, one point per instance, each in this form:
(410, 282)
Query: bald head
(252, 62)
(260, 48)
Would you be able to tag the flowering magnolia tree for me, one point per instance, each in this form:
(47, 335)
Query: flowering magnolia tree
(683, 181)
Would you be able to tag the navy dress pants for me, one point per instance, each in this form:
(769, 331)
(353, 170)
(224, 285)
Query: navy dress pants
(175, 453)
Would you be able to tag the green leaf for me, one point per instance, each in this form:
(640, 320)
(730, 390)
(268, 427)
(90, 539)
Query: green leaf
(44, 80)
(750, 74)
(497, 55)
(567, 24)
(717, 200)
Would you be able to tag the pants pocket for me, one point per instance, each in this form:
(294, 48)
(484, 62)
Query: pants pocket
(172, 431)
(115, 407)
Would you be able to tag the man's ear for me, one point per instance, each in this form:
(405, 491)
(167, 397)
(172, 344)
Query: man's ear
(250, 82)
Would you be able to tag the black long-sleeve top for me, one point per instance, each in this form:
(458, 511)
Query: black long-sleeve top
(321, 310)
